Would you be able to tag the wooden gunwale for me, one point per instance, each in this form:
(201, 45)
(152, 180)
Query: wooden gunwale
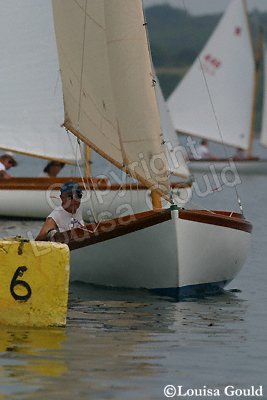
(55, 183)
(111, 229)
(220, 218)
(78, 238)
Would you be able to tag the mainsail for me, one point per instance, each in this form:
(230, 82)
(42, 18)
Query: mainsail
(31, 109)
(214, 100)
(108, 90)
(263, 136)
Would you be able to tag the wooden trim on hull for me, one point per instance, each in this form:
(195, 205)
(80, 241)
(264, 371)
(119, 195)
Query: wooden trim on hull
(55, 183)
(78, 238)
(111, 229)
(220, 218)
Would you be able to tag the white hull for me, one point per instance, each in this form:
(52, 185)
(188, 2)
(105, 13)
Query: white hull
(106, 204)
(252, 166)
(173, 256)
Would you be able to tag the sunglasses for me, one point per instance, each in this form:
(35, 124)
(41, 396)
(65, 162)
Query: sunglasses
(10, 162)
(75, 196)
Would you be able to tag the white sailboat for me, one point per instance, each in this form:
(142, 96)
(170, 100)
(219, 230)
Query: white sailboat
(214, 100)
(110, 103)
(31, 115)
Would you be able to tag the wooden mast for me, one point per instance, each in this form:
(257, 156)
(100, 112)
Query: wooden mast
(156, 200)
(258, 53)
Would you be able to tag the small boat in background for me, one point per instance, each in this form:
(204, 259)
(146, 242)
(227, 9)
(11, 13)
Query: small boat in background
(31, 118)
(215, 101)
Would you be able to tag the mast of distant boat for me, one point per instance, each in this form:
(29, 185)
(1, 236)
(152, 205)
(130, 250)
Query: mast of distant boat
(258, 53)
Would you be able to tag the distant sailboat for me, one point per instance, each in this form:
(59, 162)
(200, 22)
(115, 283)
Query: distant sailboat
(263, 136)
(216, 98)
(110, 104)
(32, 112)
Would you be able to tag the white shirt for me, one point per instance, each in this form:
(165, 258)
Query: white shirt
(65, 220)
(202, 152)
(2, 167)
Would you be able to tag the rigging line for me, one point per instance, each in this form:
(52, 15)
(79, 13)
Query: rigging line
(87, 181)
(78, 119)
(116, 194)
(120, 187)
(216, 120)
(73, 149)
(84, 228)
(77, 165)
(201, 207)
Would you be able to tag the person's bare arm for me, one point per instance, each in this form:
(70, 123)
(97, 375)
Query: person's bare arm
(4, 175)
(48, 225)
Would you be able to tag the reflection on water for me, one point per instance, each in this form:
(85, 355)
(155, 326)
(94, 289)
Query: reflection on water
(28, 358)
(120, 344)
(128, 344)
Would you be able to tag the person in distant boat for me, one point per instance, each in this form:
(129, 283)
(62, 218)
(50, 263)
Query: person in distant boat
(203, 153)
(52, 169)
(67, 216)
(240, 154)
(6, 162)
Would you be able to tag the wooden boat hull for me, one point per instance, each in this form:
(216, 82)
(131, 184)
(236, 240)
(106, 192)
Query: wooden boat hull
(177, 254)
(249, 166)
(37, 197)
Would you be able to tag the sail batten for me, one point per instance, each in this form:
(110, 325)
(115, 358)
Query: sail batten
(109, 97)
(214, 99)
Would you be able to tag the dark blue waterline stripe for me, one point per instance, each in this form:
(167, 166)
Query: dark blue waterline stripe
(199, 290)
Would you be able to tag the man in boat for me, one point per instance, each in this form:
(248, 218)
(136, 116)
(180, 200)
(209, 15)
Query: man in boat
(67, 216)
(203, 153)
(52, 169)
(6, 162)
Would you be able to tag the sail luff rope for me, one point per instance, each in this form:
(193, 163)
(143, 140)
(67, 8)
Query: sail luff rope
(154, 82)
(216, 120)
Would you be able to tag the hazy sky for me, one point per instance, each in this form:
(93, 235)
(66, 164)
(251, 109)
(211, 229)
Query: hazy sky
(207, 6)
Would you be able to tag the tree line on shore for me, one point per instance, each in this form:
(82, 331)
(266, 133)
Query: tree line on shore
(176, 38)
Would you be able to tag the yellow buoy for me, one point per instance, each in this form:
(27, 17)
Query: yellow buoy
(34, 283)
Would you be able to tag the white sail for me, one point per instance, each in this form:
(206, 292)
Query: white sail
(221, 77)
(175, 153)
(263, 136)
(107, 78)
(31, 109)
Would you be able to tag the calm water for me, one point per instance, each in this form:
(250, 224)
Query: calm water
(131, 344)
